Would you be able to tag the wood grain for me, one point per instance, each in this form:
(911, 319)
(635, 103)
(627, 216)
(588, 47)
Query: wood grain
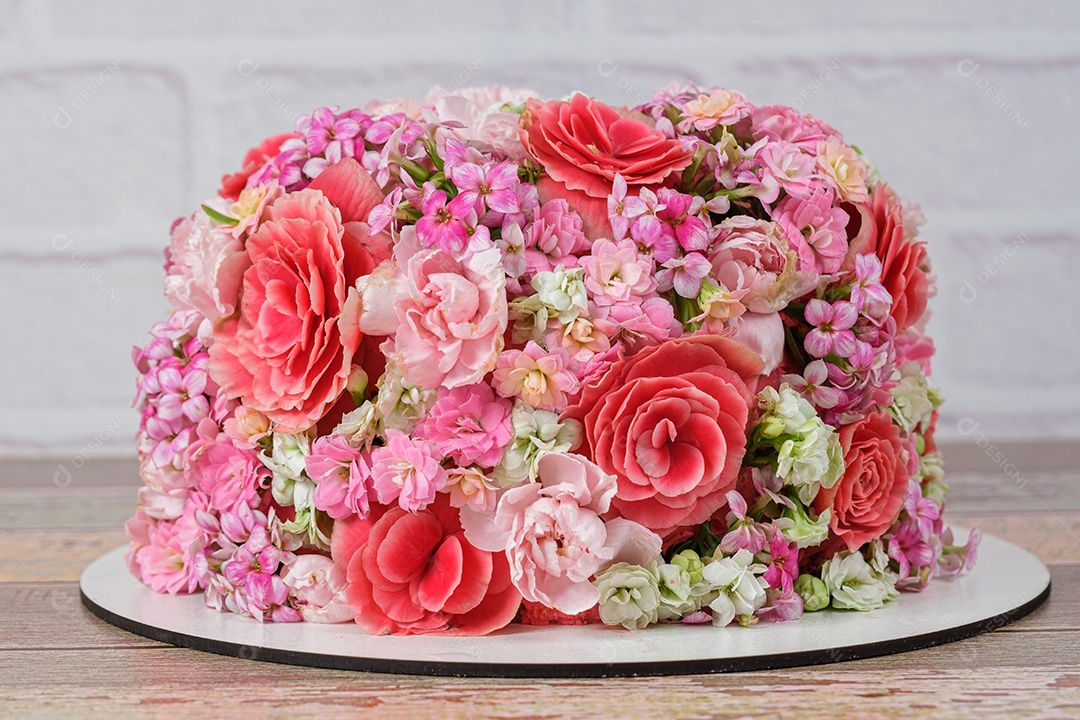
(57, 660)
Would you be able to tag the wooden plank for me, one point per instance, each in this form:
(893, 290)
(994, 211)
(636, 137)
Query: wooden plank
(162, 683)
(52, 555)
(1053, 538)
(72, 507)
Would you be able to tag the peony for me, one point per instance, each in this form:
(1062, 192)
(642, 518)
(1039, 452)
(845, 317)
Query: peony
(582, 144)
(670, 424)
(415, 573)
(446, 315)
(869, 495)
(881, 230)
(288, 352)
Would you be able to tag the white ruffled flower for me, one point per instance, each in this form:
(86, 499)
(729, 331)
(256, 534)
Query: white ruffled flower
(359, 426)
(629, 595)
(809, 455)
(784, 411)
(852, 583)
(912, 399)
(563, 292)
(399, 404)
(287, 460)
(740, 591)
(536, 433)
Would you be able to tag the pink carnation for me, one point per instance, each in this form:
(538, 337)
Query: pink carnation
(342, 477)
(469, 424)
(406, 470)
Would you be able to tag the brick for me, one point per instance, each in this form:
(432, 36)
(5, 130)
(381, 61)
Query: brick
(69, 375)
(92, 146)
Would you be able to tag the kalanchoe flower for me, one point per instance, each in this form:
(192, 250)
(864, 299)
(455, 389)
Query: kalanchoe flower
(680, 220)
(815, 229)
(629, 595)
(617, 272)
(744, 533)
(622, 210)
(957, 558)
(813, 385)
(813, 591)
(445, 224)
(684, 274)
(538, 377)
(852, 584)
(782, 562)
(342, 476)
(867, 293)
(832, 334)
(740, 591)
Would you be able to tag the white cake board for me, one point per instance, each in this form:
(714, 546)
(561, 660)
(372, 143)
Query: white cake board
(1007, 583)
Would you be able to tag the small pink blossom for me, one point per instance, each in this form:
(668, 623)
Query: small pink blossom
(554, 238)
(680, 220)
(406, 470)
(342, 477)
(471, 487)
(535, 375)
(468, 424)
(622, 210)
(635, 325)
(445, 224)
(617, 272)
(815, 229)
(684, 274)
(316, 589)
(832, 328)
(792, 168)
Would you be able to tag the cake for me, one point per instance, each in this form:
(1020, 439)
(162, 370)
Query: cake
(441, 366)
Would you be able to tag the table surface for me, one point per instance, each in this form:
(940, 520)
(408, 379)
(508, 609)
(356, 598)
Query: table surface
(56, 659)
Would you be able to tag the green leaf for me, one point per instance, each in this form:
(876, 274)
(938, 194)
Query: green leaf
(219, 218)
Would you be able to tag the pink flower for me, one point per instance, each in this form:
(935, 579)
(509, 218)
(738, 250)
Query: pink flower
(617, 272)
(552, 533)
(679, 220)
(719, 107)
(288, 353)
(684, 274)
(317, 589)
(622, 209)
(670, 423)
(780, 122)
(165, 562)
(342, 477)
(843, 169)
(415, 573)
(468, 424)
(867, 293)
(229, 475)
(752, 255)
(812, 385)
(492, 187)
(445, 224)
(637, 324)
(832, 328)
(406, 470)
(447, 315)
(203, 268)
(554, 237)
(535, 375)
(815, 228)
(792, 168)
(232, 185)
(471, 487)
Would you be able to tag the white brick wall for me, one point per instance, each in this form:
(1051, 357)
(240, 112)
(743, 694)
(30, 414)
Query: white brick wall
(119, 116)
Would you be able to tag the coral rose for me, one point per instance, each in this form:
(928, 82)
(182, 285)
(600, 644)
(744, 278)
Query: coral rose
(582, 144)
(869, 496)
(288, 351)
(670, 423)
(415, 573)
(903, 262)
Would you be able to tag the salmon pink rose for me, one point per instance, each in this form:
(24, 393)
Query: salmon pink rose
(869, 496)
(288, 352)
(583, 144)
(670, 423)
(903, 261)
(415, 573)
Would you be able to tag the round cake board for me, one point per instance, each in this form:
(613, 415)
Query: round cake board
(1006, 584)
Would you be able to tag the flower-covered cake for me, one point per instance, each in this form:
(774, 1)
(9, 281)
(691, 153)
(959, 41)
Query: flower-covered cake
(441, 366)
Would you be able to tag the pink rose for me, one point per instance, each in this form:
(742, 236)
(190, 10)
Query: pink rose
(670, 423)
(552, 533)
(446, 315)
(582, 144)
(867, 499)
(288, 352)
(415, 573)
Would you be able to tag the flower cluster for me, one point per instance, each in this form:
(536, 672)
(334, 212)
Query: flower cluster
(438, 366)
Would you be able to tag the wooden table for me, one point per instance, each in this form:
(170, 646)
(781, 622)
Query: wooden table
(56, 659)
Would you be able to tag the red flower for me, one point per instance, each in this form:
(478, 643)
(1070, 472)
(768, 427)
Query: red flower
(231, 185)
(670, 424)
(903, 261)
(582, 144)
(415, 573)
(869, 496)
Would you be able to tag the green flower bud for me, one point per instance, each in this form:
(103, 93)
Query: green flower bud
(691, 562)
(812, 590)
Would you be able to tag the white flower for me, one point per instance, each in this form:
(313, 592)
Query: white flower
(286, 460)
(852, 583)
(741, 592)
(912, 399)
(785, 412)
(358, 427)
(879, 566)
(399, 404)
(811, 460)
(563, 292)
(629, 595)
(536, 433)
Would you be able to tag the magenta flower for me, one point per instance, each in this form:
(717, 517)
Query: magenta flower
(406, 470)
(493, 186)
(832, 323)
(684, 274)
(444, 223)
(266, 598)
(869, 295)
(680, 221)
(815, 229)
(783, 567)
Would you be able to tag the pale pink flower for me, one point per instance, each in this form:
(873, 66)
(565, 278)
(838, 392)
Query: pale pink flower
(468, 424)
(317, 589)
(552, 533)
(446, 315)
(164, 562)
(470, 487)
(580, 338)
(229, 475)
(647, 230)
(867, 293)
(476, 116)
(491, 187)
(637, 324)
(406, 470)
(204, 266)
(832, 328)
(622, 209)
(538, 377)
(554, 238)
(781, 122)
(719, 107)
(815, 229)
(617, 272)
(684, 274)
(843, 169)
(342, 477)
(812, 385)
(792, 168)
